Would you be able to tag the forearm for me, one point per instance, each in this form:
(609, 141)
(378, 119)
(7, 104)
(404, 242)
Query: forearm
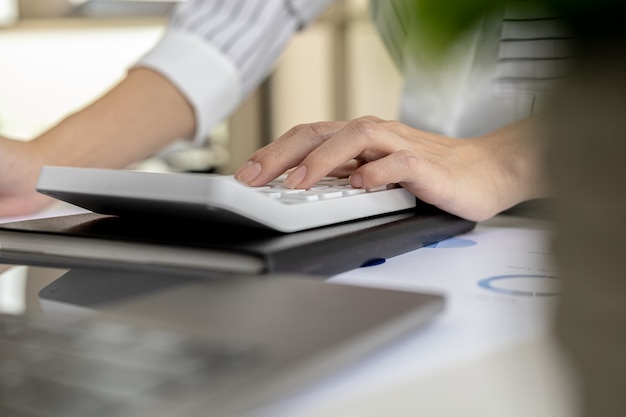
(137, 118)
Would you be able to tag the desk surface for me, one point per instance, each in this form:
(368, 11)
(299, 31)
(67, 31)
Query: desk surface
(490, 354)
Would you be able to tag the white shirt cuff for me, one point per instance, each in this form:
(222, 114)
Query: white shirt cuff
(207, 78)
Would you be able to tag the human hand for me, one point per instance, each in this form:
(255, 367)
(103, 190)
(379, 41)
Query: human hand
(19, 170)
(472, 178)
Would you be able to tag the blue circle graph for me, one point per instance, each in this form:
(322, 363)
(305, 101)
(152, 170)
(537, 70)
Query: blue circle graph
(522, 285)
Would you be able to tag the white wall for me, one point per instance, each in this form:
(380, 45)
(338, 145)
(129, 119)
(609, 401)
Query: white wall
(48, 69)
(303, 87)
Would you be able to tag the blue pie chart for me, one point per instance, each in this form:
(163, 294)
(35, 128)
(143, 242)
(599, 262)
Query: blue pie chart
(522, 285)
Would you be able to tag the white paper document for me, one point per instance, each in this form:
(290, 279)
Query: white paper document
(501, 286)
(56, 209)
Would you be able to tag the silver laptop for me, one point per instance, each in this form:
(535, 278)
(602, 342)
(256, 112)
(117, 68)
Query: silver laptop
(192, 346)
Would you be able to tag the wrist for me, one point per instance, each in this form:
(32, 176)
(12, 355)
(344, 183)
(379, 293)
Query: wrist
(519, 160)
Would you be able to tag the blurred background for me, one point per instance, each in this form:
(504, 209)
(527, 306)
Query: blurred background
(58, 55)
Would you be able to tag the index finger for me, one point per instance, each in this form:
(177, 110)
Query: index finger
(366, 138)
(285, 152)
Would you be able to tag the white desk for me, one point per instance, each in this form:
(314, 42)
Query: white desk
(489, 354)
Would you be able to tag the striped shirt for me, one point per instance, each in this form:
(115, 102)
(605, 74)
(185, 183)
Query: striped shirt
(536, 50)
(217, 52)
(498, 72)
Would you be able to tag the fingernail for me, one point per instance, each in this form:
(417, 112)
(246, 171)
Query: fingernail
(296, 177)
(250, 173)
(356, 181)
(242, 169)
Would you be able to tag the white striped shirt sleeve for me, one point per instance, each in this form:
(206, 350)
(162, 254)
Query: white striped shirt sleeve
(536, 50)
(217, 51)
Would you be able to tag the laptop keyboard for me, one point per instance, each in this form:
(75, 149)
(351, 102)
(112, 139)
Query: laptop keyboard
(96, 368)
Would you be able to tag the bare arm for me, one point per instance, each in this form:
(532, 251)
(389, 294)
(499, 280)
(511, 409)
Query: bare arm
(138, 117)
